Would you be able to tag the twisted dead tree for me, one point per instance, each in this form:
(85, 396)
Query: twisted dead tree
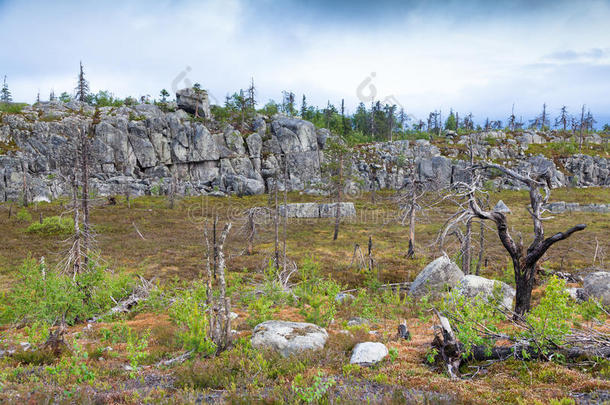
(524, 261)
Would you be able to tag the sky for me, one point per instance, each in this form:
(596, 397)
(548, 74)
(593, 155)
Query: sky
(473, 56)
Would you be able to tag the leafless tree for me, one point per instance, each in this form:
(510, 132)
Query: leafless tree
(220, 306)
(524, 261)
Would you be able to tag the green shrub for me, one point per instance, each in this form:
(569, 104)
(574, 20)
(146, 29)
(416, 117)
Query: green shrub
(23, 215)
(45, 295)
(551, 320)
(11, 108)
(315, 392)
(189, 312)
(136, 350)
(316, 294)
(52, 226)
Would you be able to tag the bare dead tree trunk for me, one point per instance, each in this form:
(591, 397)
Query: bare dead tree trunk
(215, 245)
(466, 247)
(481, 246)
(10, 211)
(251, 231)
(411, 251)
(224, 340)
(338, 208)
(25, 184)
(582, 124)
(276, 226)
(370, 254)
(172, 191)
(208, 267)
(76, 247)
(524, 262)
(285, 216)
(85, 190)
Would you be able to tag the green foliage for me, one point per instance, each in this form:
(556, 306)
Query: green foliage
(73, 368)
(431, 355)
(52, 226)
(315, 392)
(136, 350)
(365, 305)
(189, 313)
(104, 98)
(451, 123)
(242, 366)
(23, 215)
(260, 309)
(37, 333)
(11, 108)
(393, 352)
(65, 97)
(472, 315)
(117, 333)
(270, 109)
(551, 320)
(316, 294)
(44, 295)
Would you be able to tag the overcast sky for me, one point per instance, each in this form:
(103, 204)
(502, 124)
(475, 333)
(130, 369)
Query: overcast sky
(478, 56)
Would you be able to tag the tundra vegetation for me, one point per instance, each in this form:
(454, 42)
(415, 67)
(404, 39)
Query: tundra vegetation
(157, 298)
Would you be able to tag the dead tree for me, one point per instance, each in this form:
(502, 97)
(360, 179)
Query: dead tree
(524, 261)
(285, 216)
(220, 305)
(410, 198)
(25, 184)
(253, 216)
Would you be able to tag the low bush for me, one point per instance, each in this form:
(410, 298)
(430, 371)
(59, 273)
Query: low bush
(23, 215)
(45, 295)
(189, 312)
(52, 226)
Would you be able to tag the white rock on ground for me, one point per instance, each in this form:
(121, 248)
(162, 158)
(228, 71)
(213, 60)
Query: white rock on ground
(368, 353)
(436, 277)
(288, 338)
(597, 285)
(472, 286)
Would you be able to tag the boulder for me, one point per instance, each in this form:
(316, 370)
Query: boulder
(472, 286)
(597, 285)
(190, 101)
(288, 338)
(368, 353)
(346, 209)
(436, 277)
(344, 297)
(301, 210)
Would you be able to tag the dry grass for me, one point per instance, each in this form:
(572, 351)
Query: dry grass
(173, 250)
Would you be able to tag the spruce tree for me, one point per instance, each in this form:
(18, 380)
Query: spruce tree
(5, 94)
(82, 86)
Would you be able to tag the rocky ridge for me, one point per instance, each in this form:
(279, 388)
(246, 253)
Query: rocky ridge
(142, 149)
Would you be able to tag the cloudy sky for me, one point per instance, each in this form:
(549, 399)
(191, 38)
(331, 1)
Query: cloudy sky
(478, 56)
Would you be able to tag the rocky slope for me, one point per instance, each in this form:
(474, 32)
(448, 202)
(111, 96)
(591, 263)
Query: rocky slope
(139, 149)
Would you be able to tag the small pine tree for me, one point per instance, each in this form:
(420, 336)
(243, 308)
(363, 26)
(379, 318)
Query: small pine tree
(82, 86)
(5, 94)
(52, 96)
(451, 123)
(164, 95)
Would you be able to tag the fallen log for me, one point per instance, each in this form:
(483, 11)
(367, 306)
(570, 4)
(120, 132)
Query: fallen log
(140, 293)
(580, 345)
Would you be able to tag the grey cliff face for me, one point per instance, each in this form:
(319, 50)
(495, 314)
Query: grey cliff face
(137, 149)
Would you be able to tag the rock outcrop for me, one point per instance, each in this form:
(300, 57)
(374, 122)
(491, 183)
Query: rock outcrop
(472, 286)
(288, 338)
(436, 278)
(597, 285)
(139, 149)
